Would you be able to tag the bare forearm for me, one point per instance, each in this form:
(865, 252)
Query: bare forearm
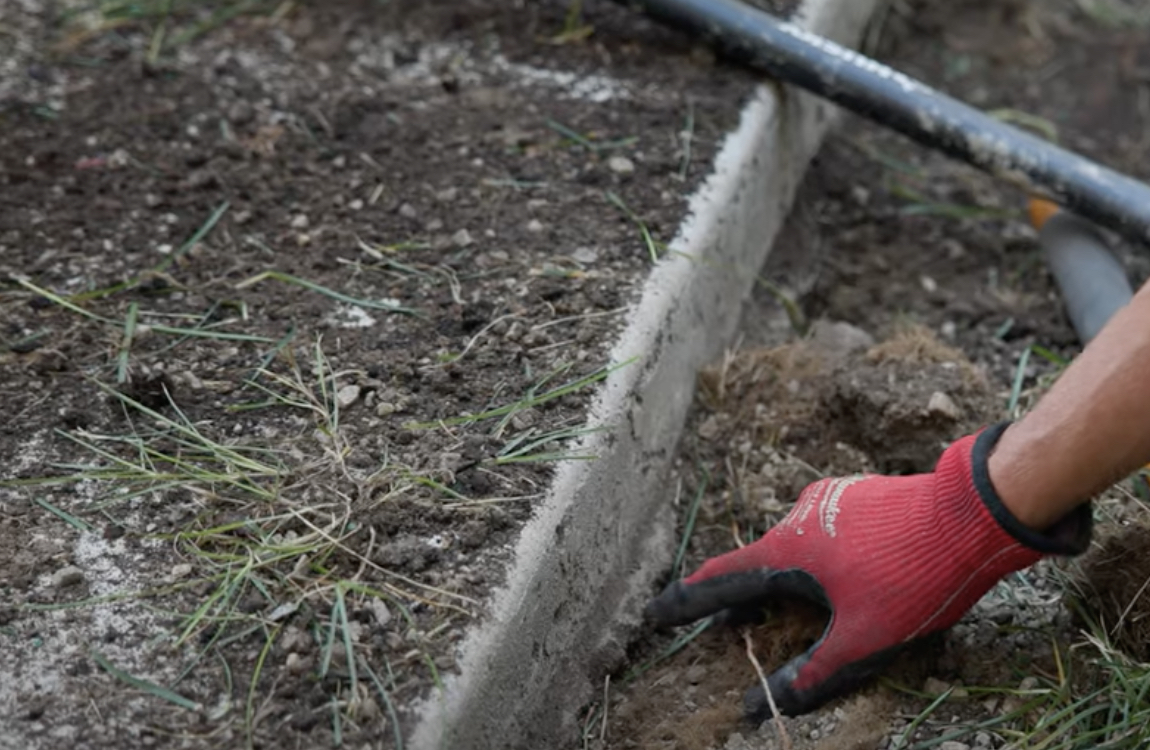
(1090, 430)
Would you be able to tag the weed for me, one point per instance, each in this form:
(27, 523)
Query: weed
(918, 204)
(276, 538)
(589, 143)
(654, 247)
(169, 24)
(286, 278)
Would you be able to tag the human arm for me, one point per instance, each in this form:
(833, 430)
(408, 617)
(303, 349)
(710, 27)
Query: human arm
(1090, 430)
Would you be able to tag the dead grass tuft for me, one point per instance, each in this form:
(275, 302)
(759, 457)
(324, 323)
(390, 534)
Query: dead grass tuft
(1117, 574)
(758, 374)
(914, 344)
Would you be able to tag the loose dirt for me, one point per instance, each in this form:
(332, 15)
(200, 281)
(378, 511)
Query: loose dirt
(890, 243)
(295, 317)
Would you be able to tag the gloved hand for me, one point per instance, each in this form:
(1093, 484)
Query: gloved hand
(893, 558)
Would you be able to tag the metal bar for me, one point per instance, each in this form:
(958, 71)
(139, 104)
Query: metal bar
(892, 99)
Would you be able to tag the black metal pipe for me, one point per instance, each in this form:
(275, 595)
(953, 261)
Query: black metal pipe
(890, 98)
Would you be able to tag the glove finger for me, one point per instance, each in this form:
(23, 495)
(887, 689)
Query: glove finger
(780, 586)
(734, 587)
(814, 678)
(682, 603)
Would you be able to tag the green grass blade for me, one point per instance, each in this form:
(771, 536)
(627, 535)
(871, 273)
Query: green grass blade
(67, 518)
(287, 278)
(675, 647)
(689, 527)
(1019, 377)
(144, 686)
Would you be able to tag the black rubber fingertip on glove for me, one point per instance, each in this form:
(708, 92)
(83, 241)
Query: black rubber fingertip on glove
(792, 702)
(681, 604)
(1068, 537)
(734, 598)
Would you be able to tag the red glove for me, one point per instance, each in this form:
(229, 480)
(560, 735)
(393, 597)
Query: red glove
(893, 558)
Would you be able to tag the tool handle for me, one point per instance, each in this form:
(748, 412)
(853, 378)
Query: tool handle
(882, 94)
(1092, 280)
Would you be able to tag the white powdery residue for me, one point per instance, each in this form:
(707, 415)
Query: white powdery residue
(432, 60)
(102, 563)
(592, 88)
(122, 629)
(350, 316)
(32, 454)
(112, 568)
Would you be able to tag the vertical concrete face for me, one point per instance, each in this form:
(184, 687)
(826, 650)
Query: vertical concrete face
(587, 561)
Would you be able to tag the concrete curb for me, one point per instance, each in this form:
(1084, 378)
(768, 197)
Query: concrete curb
(588, 559)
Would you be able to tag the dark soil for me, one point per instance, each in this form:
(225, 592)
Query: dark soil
(456, 171)
(892, 239)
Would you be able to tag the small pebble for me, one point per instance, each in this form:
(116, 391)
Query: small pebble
(585, 255)
(462, 238)
(935, 686)
(295, 639)
(380, 610)
(954, 249)
(295, 663)
(300, 221)
(366, 709)
(943, 405)
(621, 165)
(67, 576)
(839, 339)
(181, 570)
(347, 395)
(408, 211)
(535, 226)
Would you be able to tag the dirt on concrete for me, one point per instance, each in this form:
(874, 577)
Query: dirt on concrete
(298, 308)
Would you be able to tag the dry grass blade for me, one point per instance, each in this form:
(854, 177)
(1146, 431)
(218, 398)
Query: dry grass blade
(778, 717)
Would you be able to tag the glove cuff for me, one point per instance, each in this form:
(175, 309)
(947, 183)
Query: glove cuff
(1068, 537)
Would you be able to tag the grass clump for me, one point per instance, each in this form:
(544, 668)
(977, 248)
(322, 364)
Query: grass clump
(275, 538)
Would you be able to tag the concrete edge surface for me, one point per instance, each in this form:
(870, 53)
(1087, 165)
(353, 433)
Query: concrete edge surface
(590, 556)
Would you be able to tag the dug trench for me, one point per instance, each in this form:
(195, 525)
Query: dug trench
(906, 304)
